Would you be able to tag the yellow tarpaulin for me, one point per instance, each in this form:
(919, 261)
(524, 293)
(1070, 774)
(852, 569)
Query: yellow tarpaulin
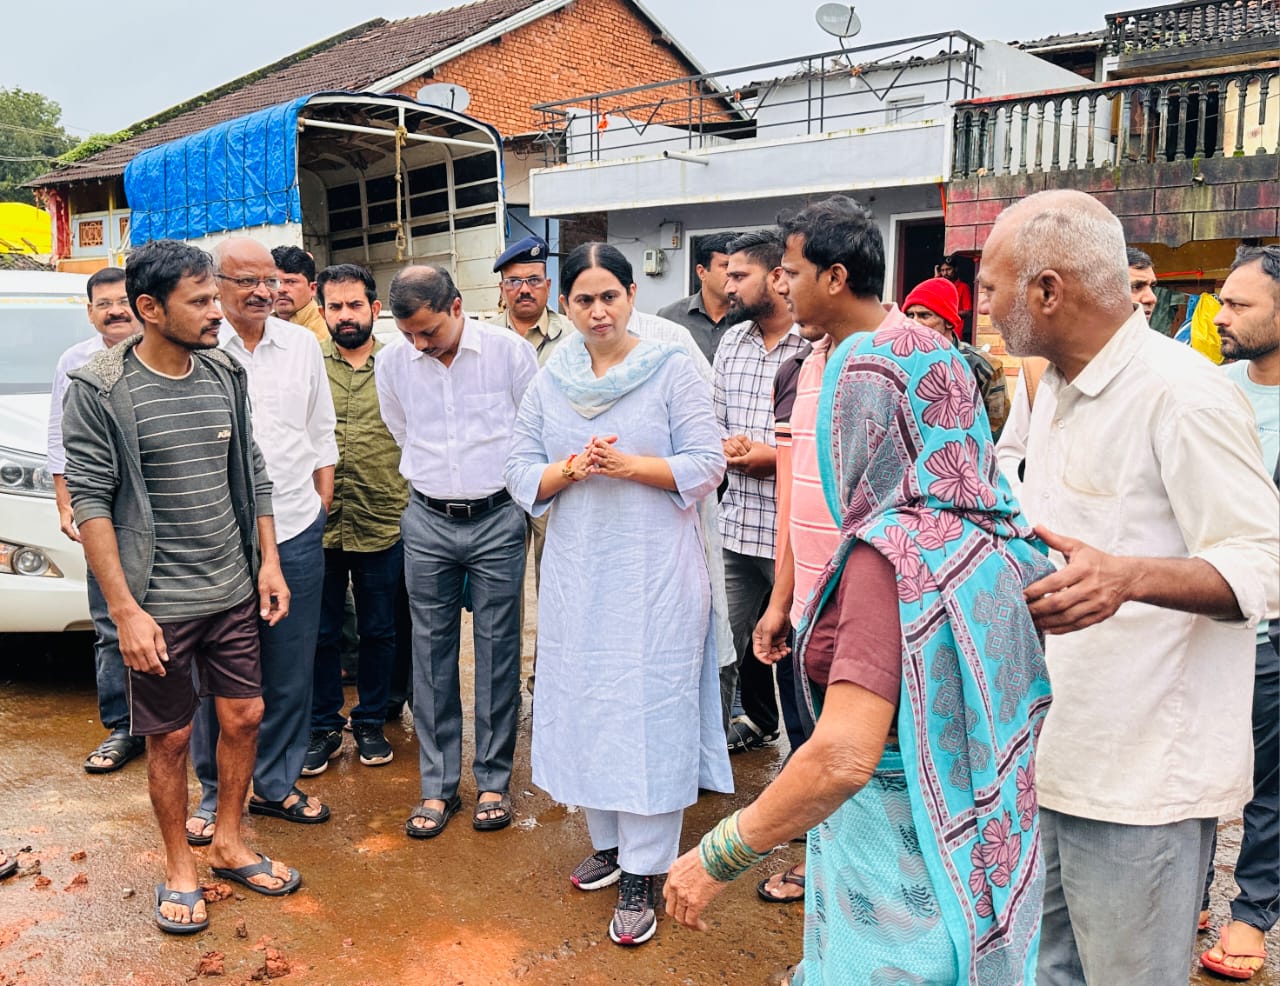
(25, 229)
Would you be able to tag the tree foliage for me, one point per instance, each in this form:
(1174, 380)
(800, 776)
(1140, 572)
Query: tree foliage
(31, 136)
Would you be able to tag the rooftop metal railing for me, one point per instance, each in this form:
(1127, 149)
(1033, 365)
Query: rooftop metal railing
(807, 95)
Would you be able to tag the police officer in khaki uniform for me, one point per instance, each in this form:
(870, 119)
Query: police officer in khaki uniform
(525, 292)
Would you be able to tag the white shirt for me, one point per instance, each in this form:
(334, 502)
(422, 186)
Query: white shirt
(454, 423)
(74, 358)
(1011, 449)
(1151, 452)
(293, 419)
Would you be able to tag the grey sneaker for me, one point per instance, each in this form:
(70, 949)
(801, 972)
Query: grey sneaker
(373, 746)
(634, 920)
(596, 871)
(324, 746)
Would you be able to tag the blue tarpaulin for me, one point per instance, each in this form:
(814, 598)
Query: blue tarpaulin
(233, 175)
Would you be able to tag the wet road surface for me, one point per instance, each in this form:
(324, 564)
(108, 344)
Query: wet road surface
(375, 907)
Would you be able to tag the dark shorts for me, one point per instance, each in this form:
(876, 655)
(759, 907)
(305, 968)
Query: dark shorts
(222, 648)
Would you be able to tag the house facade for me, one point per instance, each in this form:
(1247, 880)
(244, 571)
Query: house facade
(683, 157)
(495, 57)
(1178, 133)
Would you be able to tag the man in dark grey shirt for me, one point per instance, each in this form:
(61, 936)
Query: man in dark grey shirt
(173, 502)
(705, 313)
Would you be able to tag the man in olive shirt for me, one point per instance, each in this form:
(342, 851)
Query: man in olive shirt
(296, 300)
(705, 313)
(362, 533)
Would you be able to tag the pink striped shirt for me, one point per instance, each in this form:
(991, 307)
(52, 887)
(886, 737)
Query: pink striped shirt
(814, 535)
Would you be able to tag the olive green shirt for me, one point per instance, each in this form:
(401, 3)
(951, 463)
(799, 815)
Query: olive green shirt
(543, 336)
(369, 494)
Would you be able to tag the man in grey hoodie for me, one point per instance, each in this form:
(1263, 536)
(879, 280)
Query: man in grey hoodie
(173, 502)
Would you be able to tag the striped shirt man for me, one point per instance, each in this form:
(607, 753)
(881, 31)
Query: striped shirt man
(184, 434)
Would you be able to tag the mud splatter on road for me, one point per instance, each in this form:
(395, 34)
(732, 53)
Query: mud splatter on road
(376, 908)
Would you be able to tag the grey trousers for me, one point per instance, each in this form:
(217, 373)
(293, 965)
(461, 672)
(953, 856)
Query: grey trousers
(748, 580)
(1120, 901)
(438, 553)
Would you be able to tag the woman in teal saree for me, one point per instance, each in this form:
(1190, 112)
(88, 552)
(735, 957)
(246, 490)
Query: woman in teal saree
(926, 681)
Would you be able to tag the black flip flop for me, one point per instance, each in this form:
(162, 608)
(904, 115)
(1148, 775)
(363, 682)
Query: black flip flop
(9, 868)
(188, 899)
(492, 824)
(209, 818)
(791, 877)
(241, 874)
(296, 812)
(440, 818)
(119, 747)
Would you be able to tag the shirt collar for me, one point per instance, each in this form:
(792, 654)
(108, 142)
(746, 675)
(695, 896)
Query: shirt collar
(271, 335)
(1110, 359)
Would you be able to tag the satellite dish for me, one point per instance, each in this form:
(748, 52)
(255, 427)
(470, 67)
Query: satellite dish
(838, 19)
(450, 95)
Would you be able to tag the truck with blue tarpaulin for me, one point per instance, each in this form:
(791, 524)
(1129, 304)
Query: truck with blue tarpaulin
(382, 181)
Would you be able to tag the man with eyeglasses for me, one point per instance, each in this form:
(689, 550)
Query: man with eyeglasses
(293, 422)
(525, 291)
(110, 314)
(935, 303)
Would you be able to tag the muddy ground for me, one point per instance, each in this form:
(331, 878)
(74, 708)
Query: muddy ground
(375, 907)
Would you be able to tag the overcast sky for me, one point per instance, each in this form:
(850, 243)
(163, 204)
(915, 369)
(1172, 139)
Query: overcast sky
(112, 64)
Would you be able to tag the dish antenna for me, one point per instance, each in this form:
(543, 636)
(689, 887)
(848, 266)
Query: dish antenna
(449, 95)
(838, 19)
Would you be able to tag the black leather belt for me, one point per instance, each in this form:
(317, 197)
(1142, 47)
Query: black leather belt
(465, 509)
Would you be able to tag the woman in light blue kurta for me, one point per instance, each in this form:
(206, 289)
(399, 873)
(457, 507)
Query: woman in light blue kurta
(619, 433)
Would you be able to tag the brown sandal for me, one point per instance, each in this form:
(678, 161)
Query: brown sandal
(791, 877)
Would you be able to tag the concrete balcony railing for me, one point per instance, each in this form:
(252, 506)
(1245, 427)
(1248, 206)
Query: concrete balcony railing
(1192, 26)
(1193, 115)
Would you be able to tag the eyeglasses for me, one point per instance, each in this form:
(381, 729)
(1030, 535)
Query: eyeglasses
(249, 283)
(513, 283)
(106, 304)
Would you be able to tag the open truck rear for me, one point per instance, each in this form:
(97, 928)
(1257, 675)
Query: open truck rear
(382, 181)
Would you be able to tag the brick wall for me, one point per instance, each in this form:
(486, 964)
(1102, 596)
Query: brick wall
(589, 46)
(1169, 203)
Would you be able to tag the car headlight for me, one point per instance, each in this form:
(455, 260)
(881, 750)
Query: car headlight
(19, 559)
(24, 473)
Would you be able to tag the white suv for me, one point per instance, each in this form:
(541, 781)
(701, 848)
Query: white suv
(42, 572)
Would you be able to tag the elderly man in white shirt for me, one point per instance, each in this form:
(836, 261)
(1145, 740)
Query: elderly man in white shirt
(293, 424)
(113, 318)
(449, 399)
(1144, 471)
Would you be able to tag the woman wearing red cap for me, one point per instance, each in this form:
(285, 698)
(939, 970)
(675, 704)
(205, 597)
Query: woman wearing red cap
(935, 303)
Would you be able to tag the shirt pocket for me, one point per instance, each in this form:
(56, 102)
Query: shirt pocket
(485, 417)
(1093, 481)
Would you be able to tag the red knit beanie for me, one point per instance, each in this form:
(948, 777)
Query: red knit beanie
(939, 296)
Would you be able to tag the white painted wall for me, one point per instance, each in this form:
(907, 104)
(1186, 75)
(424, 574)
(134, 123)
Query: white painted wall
(636, 230)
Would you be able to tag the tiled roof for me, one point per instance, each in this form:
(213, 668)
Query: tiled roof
(1085, 39)
(353, 61)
